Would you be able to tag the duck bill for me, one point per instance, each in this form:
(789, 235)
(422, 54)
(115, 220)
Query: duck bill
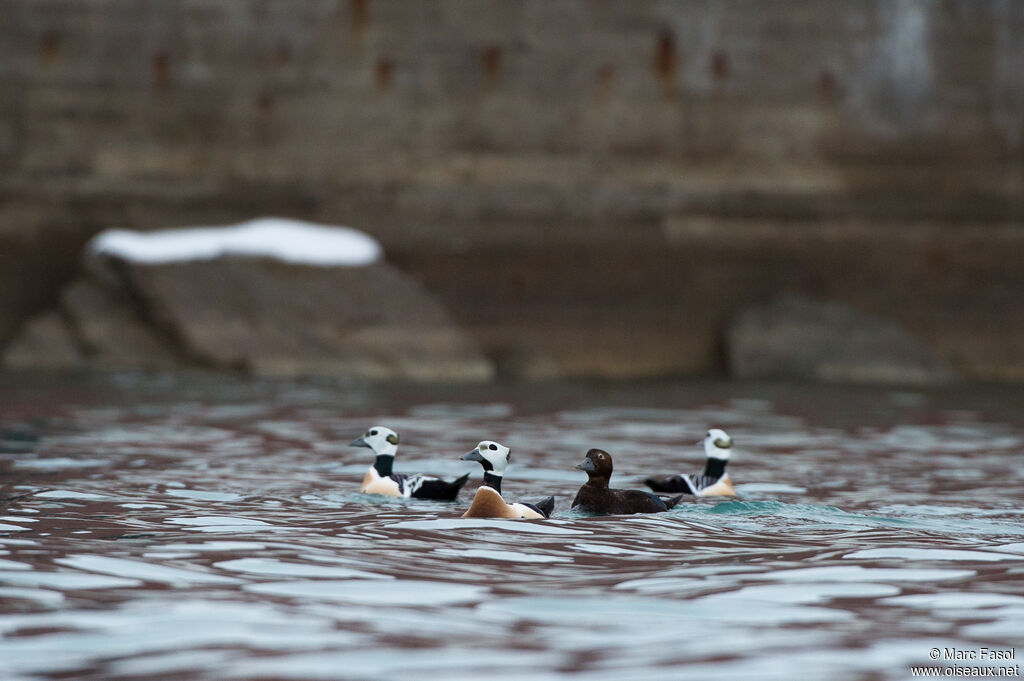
(472, 456)
(358, 442)
(586, 465)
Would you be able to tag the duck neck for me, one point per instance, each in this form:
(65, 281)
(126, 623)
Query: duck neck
(599, 482)
(492, 480)
(383, 464)
(715, 467)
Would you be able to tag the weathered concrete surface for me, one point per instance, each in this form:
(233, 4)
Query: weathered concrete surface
(589, 187)
(794, 336)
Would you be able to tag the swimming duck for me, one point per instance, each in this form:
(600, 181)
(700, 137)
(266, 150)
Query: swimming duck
(488, 503)
(714, 482)
(380, 480)
(596, 497)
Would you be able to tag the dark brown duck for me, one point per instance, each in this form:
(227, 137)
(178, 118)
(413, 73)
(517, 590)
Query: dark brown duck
(596, 497)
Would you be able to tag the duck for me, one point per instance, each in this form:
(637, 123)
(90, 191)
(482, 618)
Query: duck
(488, 502)
(596, 497)
(714, 482)
(381, 480)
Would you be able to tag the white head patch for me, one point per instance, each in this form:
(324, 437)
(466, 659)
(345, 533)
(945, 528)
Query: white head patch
(496, 453)
(381, 440)
(717, 444)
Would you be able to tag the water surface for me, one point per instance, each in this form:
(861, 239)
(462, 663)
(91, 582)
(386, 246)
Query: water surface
(159, 528)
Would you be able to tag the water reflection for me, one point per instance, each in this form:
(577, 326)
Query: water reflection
(213, 531)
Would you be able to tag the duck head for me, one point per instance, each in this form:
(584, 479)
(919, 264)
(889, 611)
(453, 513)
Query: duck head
(383, 441)
(597, 465)
(493, 456)
(717, 444)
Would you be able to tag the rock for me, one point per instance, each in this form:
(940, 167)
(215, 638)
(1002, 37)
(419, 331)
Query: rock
(268, 297)
(45, 342)
(112, 331)
(797, 337)
(272, 318)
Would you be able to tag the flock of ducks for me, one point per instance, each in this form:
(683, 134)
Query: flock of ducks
(595, 496)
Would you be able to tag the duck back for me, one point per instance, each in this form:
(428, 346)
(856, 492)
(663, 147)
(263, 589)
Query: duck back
(593, 499)
(487, 503)
(437, 489)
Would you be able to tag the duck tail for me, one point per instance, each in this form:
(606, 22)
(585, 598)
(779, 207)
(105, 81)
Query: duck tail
(454, 486)
(675, 483)
(546, 507)
(672, 501)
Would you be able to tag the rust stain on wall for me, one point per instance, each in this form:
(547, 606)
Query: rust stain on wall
(283, 54)
(160, 69)
(665, 60)
(385, 73)
(720, 65)
(48, 47)
(605, 80)
(490, 62)
(360, 14)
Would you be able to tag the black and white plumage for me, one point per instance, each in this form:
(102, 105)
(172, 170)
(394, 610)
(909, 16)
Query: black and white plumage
(381, 480)
(714, 481)
(488, 502)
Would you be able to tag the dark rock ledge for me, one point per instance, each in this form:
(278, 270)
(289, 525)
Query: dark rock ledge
(796, 337)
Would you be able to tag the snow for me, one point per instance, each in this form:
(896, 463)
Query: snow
(290, 241)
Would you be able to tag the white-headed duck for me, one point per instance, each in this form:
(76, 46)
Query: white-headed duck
(381, 480)
(714, 482)
(488, 502)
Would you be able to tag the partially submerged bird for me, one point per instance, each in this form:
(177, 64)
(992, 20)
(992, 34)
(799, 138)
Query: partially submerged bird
(488, 502)
(714, 482)
(596, 497)
(381, 480)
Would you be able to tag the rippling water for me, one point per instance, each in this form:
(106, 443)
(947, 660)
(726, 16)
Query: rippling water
(196, 529)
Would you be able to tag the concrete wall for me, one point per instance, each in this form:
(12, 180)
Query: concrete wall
(591, 187)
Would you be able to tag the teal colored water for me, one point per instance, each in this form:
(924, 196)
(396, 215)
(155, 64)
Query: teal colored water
(170, 528)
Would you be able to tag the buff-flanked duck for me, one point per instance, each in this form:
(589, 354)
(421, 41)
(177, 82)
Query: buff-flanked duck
(713, 482)
(381, 480)
(488, 502)
(595, 496)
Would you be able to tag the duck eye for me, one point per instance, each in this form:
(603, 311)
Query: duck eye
(373, 432)
(494, 447)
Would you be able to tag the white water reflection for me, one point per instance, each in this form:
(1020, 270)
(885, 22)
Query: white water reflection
(70, 494)
(59, 463)
(916, 554)
(372, 592)
(277, 568)
(508, 556)
(147, 572)
(69, 581)
(524, 527)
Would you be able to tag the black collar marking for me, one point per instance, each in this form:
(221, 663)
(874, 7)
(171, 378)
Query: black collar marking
(383, 464)
(492, 480)
(714, 468)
